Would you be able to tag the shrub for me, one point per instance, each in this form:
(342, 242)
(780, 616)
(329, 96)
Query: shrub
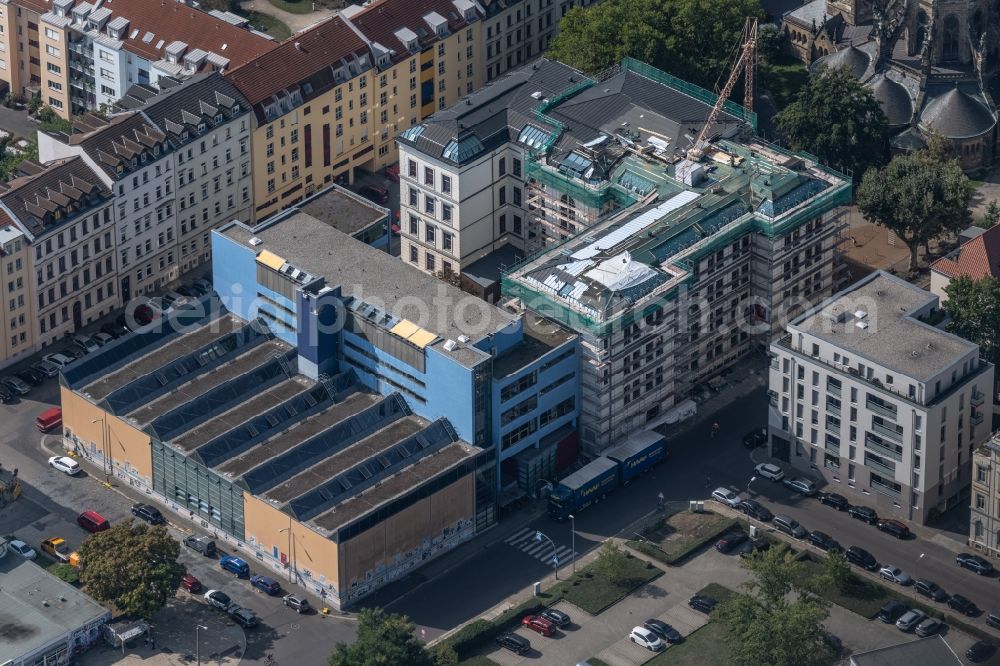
(66, 573)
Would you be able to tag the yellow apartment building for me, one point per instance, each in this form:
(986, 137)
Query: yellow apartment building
(17, 305)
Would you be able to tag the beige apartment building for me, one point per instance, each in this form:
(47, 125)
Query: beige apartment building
(18, 312)
(984, 523)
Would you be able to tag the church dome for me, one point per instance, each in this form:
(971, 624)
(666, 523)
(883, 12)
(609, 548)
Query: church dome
(852, 57)
(894, 100)
(957, 115)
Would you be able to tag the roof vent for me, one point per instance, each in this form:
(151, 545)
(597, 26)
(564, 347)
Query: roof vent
(861, 324)
(930, 346)
(256, 241)
(298, 46)
(463, 338)
(860, 314)
(449, 345)
(537, 94)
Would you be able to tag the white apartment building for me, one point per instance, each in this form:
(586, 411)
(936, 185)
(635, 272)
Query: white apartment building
(66, 215)
(984, 521)
(18, 320)
(208, 120)
(885, 407)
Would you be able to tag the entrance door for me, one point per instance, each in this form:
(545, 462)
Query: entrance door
(77, 316)
(781, 448)
(126, 290)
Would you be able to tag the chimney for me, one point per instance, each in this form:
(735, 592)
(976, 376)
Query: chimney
(298, 46)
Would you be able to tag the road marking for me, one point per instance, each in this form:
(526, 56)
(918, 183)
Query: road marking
(524, 541)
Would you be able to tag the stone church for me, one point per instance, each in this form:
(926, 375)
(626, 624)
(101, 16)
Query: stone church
(930, 63)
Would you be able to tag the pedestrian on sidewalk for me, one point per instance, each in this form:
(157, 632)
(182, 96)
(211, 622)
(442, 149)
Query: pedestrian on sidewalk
(659, 501)
(715, 429)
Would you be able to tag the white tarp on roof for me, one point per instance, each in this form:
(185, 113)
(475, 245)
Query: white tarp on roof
(620, 272)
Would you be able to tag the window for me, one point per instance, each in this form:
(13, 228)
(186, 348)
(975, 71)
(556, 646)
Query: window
(429, 176)
(106, 56)
(429, 203)
(446, 212)
(446, 241)
(54, 69)
(517, 167)
(414, 225)
(446, 184)
(107, 74)
(429, 261)
(52, 51)
(502, 166)
(429, 234)
(413, 254)
(503, 196)
(51, 34)
(411, 169)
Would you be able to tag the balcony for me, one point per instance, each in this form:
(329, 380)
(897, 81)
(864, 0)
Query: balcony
(832, 448)
(881, 410)
(883, 450)
(976, 418)
(977, 398)
(878, 465)
(887, 490)
(891, 433)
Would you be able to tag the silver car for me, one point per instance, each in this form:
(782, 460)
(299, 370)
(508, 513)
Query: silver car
(910, 619)
(895, 574)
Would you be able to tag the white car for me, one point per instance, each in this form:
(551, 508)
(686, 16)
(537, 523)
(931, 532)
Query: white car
(910, 619)
(645, 638)
(58, 359)
(726, 496)
(65, 465)
(769, 471)
(218, 599)
(895, 574)
(22, 549)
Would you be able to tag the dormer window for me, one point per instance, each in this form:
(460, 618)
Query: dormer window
(236, 108)
(156, 150)
(383, 60)
(411, 45)
(201, 127)
(218, 118)
(144, 157)
(184, 135)
(135, 162)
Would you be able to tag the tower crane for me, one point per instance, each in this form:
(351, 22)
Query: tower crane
(746, 62)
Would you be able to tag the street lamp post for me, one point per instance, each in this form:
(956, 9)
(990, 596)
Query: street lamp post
(291, 560)
(572, 523)
(555, 560)
(104, 447)
(197, 642)
(752, 479)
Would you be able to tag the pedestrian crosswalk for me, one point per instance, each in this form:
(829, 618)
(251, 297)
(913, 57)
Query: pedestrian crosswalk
(541, 550)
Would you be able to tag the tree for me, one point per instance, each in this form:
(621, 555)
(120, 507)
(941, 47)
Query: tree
(974, 308)
(916, 199)
(612, 562)
(836, 572)
(767, 625)
(839, 120)
(132, 565)
(694, 40)
(383, 639)
(991, 216)
(771, 42)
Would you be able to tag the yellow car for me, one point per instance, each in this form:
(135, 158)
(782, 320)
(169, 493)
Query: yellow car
(56, 548)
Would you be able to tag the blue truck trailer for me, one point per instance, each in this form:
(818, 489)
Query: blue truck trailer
(604, 474)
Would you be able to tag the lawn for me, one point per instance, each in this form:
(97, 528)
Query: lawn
(674, 539)
(293, 6)
(478, 660)
(266, 23)
(783, 78)
(707, 646)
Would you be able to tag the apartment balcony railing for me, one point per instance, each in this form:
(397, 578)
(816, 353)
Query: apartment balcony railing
(882, 450)
(977, 398)
(976, 418)
(891, 433)
(888, 491)
(879, 465)
(832, 448)
(881, 410)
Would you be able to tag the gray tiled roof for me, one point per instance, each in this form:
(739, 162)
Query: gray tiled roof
(853, 58)
(198, 95)
(893, 98)
(956, 114)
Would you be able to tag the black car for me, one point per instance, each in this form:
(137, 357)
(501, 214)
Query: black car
(838, 502)
(375, 193)
(700, 602)
(863, 513)
(895, 528)
(963, 605)
(980, 651)
(730, 541)
(862, 558)
(891, 612)
(755, 438)
(974, 563)
(242, 616)
(30, 376)
(556, 617)
(185, 290)
(514, 643)
(148, 513)
(6, 395)
(930, 590)
(823, 541)
(752, 546)
(116, 329)
(755, 509)
(663, 630)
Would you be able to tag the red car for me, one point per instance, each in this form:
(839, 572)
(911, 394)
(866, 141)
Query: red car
(191, 584)
(92, 522)
(539, 624)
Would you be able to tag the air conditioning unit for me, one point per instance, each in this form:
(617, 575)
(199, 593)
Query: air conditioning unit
(256, 241)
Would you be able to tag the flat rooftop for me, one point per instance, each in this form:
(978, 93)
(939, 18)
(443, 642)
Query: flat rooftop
(343, 210)
(36, 608)
(893, 337)
(931, 651)
(540, 337)
(394, 486)
(162, 355)
(372, 275)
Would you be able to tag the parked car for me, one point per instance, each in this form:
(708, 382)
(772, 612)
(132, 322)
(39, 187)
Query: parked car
(6, 395)
(187, 291)
(894, 574)
(30, 376)
(755, 509)
(663, 630)
(73, 352)
(103, 338)
(514, 643)
(201, 544)
(242, 616)
(752, 546)
(22, 549)
(909, 620)
(643, 637)
(702, 603)
(58, 359)
(800, 485)
(85, 343)
(297, 603)
(865, 514)
(928, 627)
(17, 385)
(930, 590)
(218, 599)
(891, 611)
(993, 619)
(556, 617)
(963, 605)
(769, 471)
(114, 329)
(266, 584)
(46, 368)
(57, 549)
(726, 496)
(539, 624)
(895, 528)
(789, 526)
(148, 513)
(235, 566)
(730, 541)
(93, 522)
(204, 285)
(65, 465)
(838, 502)
(862, 558)
(755, 438)
(974, 563)
(980, 651)
(377, 193)
(191, 584)
(49, 420)
(823, 541)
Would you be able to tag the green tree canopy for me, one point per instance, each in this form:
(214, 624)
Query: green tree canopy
(839, 120)
(916, 198)
(695, 40)
(974, 308)
(132, 565)
(383, 640)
